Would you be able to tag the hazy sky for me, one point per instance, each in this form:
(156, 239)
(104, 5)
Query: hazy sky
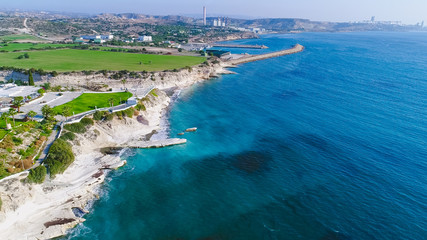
(408, 11)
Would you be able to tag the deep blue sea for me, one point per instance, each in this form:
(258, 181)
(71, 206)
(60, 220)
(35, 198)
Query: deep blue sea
(327, 144)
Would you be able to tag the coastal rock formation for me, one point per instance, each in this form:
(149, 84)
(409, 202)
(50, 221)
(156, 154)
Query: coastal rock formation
(193, 129)
(44, 211)
(161, 80)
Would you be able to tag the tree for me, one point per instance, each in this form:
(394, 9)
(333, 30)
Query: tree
(12, 112)
(41, 91)
(66, 112)
(111, 101)
(5, 116)
(47, 112)
(30, 78)
(18, 102)
(31, 114)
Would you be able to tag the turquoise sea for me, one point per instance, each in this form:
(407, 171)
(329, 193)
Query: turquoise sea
(327, 144)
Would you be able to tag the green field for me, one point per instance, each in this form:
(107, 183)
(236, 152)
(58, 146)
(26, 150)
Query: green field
(10, 47)
(88, 101)
(20, 37)
(66, 60)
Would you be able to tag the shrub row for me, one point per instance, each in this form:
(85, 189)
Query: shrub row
(86, 121)
(76, 127)
(68, 136)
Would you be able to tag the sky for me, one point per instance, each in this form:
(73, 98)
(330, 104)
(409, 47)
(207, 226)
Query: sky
(407, 11)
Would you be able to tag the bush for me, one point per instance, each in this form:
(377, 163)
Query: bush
(129, 112)
(109, 117)
(60, 157)
(27, 152)
(119, 114)
(37, 175)
(3, 173)
(98, 115)
(140, 107)
(46, 86)
(86, 121)
(41, 91)
(17, 141)
(68, 136)
(76, 127)
(153, 92)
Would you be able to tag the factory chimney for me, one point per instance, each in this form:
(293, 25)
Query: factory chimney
(204, 16)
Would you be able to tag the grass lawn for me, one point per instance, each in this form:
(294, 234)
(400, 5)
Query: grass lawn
(88, 101)
(29, 46)
(66, 60)
(20, 37)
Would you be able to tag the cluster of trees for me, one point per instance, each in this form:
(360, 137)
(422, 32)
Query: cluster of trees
(25, 55)
(39, 71)
(60, 157)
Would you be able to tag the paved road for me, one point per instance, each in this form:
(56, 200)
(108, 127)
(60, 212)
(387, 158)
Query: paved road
(52, 99)
(49, 143)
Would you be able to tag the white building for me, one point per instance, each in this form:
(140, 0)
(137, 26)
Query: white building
(219, 22)
(145, 39)
(93, 37)
(10, 91)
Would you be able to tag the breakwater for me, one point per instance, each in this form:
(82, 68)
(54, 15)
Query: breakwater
(252, 58)
(240, 46)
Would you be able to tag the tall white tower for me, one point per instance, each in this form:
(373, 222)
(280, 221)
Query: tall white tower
(204, 16)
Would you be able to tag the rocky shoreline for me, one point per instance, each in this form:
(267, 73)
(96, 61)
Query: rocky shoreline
(48, 210)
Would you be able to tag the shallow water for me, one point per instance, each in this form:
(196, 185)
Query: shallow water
(330, 143)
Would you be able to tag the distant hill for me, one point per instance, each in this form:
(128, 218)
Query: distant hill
(305, 25)
(172, 27)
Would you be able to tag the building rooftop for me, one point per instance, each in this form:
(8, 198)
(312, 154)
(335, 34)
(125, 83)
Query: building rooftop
(11, 90)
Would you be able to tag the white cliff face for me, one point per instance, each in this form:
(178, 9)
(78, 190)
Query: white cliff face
(161, 80)
(44, 211)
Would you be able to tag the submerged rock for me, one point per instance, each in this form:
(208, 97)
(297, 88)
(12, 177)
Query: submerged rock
(251, 161)
(191, 129)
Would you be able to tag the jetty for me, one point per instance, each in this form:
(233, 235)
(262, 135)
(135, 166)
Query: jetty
(155, 143)
(240, 46)
(252, 58)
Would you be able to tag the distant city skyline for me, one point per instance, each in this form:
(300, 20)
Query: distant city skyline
(409, 12)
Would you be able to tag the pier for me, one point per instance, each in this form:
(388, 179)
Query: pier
(252, 58)
(240, 46)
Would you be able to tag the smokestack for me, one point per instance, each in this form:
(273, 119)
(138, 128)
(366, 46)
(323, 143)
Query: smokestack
(204, 16)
